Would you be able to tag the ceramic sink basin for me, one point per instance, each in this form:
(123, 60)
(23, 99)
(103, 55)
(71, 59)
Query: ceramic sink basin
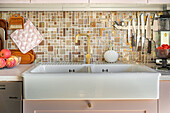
(59, 69)
(119, 68)
(102, 82)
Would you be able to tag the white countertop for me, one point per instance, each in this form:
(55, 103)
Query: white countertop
(13, 74)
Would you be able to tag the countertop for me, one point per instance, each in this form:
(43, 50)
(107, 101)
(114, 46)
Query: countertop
(13, 74)
(165, 74)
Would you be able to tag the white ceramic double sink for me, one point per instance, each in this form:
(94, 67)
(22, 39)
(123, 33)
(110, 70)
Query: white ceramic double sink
(91, 82)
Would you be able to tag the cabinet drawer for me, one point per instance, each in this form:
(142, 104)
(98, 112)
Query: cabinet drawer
(11, 90)
(91, 106)
(118, 1)
(10, 106)
(14, 1)
(158, 1)
(59, 1)
(101, 111)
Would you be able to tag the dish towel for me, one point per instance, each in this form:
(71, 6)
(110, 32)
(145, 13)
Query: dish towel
(27, 38)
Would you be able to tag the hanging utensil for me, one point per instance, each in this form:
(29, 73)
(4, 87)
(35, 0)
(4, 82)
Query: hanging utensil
(148, 33)
(129, 32)
(143, 31)
(16, 22)
(138, 35)
(133, 34)
(153, 46)
(155, 31)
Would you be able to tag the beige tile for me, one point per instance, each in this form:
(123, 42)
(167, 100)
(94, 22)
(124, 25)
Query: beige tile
(59, 29)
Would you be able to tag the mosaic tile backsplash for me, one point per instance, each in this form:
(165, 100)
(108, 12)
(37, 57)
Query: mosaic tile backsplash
(60, 28)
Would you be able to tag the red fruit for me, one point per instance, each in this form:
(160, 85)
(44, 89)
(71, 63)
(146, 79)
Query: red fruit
(10, 62)
(16, 59)
(169, 47)
(164, 45)
(2, 63)
(160, 48)
(5, 53)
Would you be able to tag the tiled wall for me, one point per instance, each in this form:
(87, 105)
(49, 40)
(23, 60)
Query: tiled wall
(60, 28)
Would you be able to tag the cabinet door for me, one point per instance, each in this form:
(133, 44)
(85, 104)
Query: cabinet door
(164, 100)
(82, 106)
(59, 1)
(11, 90)
(10, 97)
(118, 1)
(159, 1)
(14, 1)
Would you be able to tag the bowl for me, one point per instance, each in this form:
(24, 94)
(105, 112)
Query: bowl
(163, 53)
(11, 63)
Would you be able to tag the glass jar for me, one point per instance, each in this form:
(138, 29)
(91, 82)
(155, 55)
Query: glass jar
(164, 24)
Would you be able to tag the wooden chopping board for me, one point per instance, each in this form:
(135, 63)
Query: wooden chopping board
(2, 36)
(27, 58)
(1, 45)
(3, 24)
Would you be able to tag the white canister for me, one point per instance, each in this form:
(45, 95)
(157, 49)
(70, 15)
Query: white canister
(111, 56)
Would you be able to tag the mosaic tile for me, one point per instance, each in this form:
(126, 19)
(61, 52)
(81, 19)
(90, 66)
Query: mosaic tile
(59, 29)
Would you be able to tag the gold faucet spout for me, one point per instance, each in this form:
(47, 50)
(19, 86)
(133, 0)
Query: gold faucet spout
(76, 39)
(88, 56)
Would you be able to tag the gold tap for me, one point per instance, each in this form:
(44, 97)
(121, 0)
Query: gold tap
(88, 56)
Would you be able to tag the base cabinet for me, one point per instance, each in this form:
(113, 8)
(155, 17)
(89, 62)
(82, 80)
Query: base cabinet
(10, 97)
(164, 100)
(92, 106)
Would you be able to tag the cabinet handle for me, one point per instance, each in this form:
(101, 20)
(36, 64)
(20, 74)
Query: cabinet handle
(89, 104)
(2, 87)
(13, 97)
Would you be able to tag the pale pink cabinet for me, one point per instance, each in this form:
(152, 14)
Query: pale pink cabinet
(59, 1)
(92, 106)
(14, 1)
(164, 100)
(118, 1)
(159, 1)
